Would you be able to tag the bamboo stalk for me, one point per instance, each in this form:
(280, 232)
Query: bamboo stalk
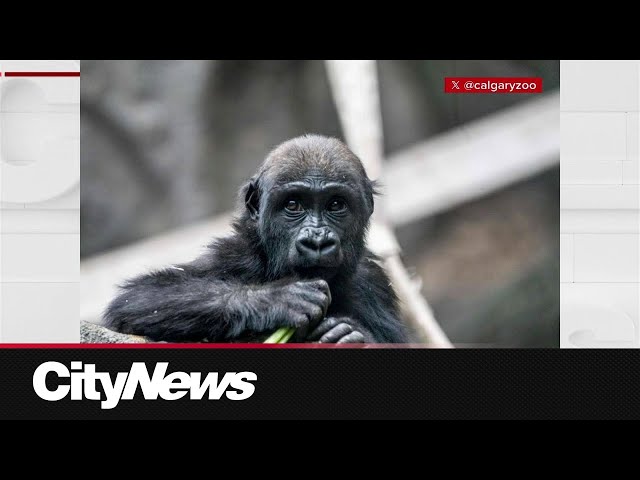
(278, 335)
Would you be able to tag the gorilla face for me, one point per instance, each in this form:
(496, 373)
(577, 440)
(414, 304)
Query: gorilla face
(312, 208)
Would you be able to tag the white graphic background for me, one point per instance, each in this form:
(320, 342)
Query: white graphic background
(599, 202)
(39, 202)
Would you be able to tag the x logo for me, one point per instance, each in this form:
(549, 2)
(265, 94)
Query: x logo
(455, 84)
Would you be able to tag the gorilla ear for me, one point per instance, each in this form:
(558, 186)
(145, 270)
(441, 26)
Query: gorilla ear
(251, 198)
(373, 188)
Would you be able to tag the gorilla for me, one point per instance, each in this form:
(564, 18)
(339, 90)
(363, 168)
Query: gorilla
(296, 258)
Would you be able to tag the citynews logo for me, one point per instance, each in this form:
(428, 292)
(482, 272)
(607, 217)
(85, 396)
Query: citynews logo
(84, 379)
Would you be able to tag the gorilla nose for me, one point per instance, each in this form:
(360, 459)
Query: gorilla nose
(316, 244)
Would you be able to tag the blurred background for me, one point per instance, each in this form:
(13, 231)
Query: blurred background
(166, 144)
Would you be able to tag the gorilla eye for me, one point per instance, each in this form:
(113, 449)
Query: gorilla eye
(337, 205)
(293, 206)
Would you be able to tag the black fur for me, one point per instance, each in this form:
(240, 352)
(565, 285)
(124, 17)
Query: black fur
(258, 279)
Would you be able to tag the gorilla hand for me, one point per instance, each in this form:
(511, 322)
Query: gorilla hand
(339, 330)
(301, 304)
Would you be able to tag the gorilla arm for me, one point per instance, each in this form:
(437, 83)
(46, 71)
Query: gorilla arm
(185, 304)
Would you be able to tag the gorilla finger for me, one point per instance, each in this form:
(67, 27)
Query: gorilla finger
(316, 314)
(310, 309)
(336, 333)
(325, 302)
(353, 337)
(301, 323)
(324, 326)
(313, 296)
(321, 285)
(321, 300)
(312, 312)
(297, 320)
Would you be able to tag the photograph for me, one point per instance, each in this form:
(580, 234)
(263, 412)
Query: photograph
(355, 203)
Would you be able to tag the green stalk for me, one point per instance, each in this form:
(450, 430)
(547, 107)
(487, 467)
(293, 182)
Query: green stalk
(285, 338)
(276, 336)
(282, 335)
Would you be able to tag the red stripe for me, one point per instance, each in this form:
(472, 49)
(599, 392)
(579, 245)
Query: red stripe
(204, 345)
(42, 74)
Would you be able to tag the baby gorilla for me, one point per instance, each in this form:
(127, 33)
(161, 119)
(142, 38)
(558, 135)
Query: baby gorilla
(297, 258)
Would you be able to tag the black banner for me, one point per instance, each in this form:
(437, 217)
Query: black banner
(333, 383)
